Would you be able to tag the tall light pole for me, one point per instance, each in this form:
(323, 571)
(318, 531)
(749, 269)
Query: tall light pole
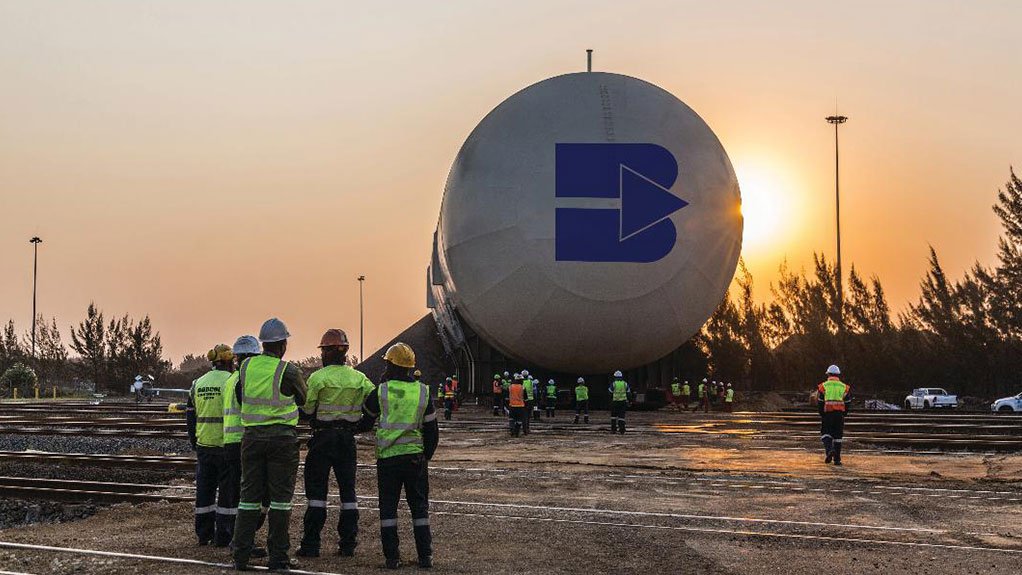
(837, 121)
(361, 321)
(35, 241)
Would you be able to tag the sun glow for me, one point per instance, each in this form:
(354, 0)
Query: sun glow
(766, 207)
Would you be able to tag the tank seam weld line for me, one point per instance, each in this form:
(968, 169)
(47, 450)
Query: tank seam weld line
(181, 560)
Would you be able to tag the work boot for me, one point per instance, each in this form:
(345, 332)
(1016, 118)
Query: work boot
(426, 562)
(282, 567)
(346, 552)
(239, 566)
(830, 457)
(258, 553)
(576, 419)
(393, 563)
(621, 426)
(307, 552)
(587, 419)
(837, 453)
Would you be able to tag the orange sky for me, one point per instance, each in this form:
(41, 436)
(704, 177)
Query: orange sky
(215, 163)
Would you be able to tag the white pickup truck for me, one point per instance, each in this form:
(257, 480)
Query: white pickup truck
(930, 398)
(1007, 404)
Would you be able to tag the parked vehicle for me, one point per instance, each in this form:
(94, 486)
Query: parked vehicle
(930, 398)
(1007, 404)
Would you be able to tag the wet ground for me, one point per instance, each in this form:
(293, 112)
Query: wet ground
(585, 501)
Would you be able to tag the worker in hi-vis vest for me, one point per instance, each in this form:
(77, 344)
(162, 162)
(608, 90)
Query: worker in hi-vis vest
(205, 417)
(269, 391)
(833, 401)
(581, 399)
(550, 399)
(406, 439)
(516, 405)
(619, 392)
(334, 405)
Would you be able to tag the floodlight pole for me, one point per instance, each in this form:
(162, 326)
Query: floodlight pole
(837, 121)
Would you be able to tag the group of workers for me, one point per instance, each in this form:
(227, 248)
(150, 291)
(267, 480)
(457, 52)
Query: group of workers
(708, 393)
(242, 417)
(521, 398)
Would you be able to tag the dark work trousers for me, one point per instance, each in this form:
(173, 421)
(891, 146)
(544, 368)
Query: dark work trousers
(832, 432)
(515, 420)
(214, 511)
(617, 416)
(448, 408)
(498, 403)
(410, 472)
(582, 407)
(268, 467)
(551, 406)
(527, 415)
(231, 493)
(536, 413)
(331, 449)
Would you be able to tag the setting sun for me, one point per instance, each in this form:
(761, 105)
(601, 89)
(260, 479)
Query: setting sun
(766, 206)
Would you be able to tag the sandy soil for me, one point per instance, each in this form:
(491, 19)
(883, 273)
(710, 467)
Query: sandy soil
(590, 502)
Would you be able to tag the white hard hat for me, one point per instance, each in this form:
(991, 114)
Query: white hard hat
(833, 370)
(729, 385)
(686, 381)
(525, 373)
(506, 374)
(273, 330)
(581, 380)
(618, 374)
(247, 345)
(138, 378)
(551, 382)
(518, 377)
(704, 380)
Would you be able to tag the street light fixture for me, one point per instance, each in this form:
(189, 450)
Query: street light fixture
(35, 241)
(837, 121)
(361, 321)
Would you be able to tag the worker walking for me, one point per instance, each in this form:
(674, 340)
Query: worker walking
(505, 383)
(334, 403)
(269, 390)
(205, 417)
(516, 405)
(244, 347)
(530, 401)
(581, 399)
(676, 393)
(700, 395)
(550, 401)
(619, 392)
(833, 402)
(686, 392)
(498, 394)
(405, 442)
(448, 398)
(729, 399)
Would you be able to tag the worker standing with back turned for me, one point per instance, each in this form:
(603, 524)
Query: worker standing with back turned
(448, 398)
(581, 399)
(406, 439)
(619, 391)
(550, 402)
(269, 390)
(205, 415)
(498, 394)
(676, 393)
(833, 401)
(336, 395)
(729, 399)
(516, 405)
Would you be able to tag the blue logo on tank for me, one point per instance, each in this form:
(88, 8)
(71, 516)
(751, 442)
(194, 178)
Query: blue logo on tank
(640, 176)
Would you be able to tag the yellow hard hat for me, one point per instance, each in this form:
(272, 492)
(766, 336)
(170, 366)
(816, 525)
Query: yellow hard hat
(220, 352)
(401, 355)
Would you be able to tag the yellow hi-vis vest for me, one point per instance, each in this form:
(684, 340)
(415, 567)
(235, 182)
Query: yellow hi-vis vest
(233, 429)
(686, 390)
(337, 392)
(402, 413)
(620, 390)
(262, 403)
(675, 389)
(551, 392)
(207, 396)
(581, 392)
(729, 395)
(833, 392)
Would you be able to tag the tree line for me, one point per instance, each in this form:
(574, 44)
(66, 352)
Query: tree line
(964, 335)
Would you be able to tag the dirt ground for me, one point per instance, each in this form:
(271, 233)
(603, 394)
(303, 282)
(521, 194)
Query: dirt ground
(560, 501)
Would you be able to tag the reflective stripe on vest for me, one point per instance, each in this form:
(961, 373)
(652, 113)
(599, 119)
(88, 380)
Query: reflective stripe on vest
(834, 392)
(402, 409)
(620, 390)
(527, 384)
(207, 395)
(582, 393)
(516, 395)
(675, 389)
(262, 402)
(233, 429)
(551, 391)
(686, 390)
(730, 396)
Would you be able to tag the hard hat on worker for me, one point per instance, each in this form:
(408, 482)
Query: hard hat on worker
(525, 373)
(417, 373)
(551, 382)
(247, 345)
(618, 374)
(496, 376)
(518, 377)
(273, 330)
(334, 338)
(581, 380)
(833, 370)
(506, 374)
(401, 355)
(138, 378)
(220, 352)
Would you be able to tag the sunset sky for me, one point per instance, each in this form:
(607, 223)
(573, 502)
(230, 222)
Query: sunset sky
(216, 163)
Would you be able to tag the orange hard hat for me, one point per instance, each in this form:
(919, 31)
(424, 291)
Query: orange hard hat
(334, 338)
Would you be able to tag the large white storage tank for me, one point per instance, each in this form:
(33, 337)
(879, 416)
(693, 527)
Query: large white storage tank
(590, 222)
